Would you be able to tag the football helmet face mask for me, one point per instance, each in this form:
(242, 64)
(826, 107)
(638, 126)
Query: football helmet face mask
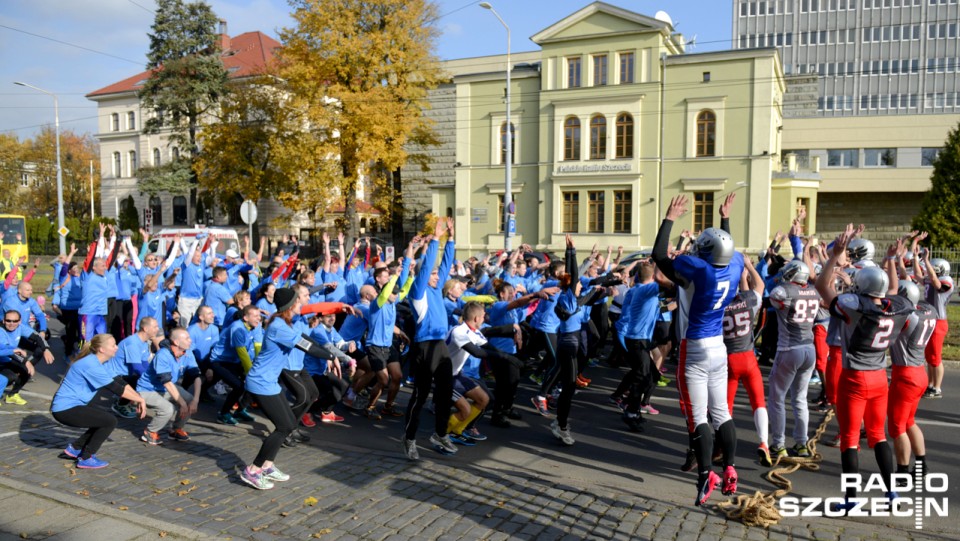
(872, 282)
(861, 249)
(715, 246)
(796, 271)
(940, 266)
(910, 291)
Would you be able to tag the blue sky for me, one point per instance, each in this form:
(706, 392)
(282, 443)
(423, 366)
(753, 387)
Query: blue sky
(100, 42)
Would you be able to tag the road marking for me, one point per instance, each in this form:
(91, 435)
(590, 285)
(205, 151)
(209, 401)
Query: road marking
(48, 398)
(18, 432)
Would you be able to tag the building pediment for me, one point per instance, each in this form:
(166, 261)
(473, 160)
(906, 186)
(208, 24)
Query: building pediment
(599, 19)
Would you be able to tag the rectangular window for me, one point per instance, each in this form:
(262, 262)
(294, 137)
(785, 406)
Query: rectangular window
(133, 162)
(880, 157)
(702, 210)
(599, 70)
(928, 155)
(24, 180)
(843, 157)
(743, 9)
(571, 212)
(595, 212)
(115, 122)
(626, 67)
(573, 72)
(131, 120)
(622, 204)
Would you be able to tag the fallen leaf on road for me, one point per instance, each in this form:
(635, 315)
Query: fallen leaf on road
(500, 504)
(44, 485)
(162, 534)
(322, 532)
(123, 508)
(185, 482)
(132, 476)
(204, 505)
(83, 492)
(38, 512)
(178, 509)
(257, 528)
(311, 501)
(285, 514)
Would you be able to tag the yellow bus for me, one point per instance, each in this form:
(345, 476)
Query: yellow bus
(13, 244)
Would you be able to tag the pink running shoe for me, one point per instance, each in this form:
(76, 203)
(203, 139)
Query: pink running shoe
(705, 487)
(650, 410)
(729, 481)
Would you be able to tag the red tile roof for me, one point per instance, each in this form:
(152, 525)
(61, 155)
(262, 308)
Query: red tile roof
(362, 208)
(247, 55)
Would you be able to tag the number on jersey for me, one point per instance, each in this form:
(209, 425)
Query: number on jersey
(723, 286)
(737, 324)
(881, 340)
(928, 327)
(805, 310)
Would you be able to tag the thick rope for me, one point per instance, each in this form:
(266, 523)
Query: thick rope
(761, 509)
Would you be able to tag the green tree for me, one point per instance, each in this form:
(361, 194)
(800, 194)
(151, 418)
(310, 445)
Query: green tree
(360, 71)
(11, 167)
(186, 81)
(940, 210)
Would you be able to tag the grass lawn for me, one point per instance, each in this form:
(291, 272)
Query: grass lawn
(951, 346)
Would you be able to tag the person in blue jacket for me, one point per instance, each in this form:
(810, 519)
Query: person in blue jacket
(16, 366)
(24, 303)
(164, 388)
(432, 358)
(71, 403)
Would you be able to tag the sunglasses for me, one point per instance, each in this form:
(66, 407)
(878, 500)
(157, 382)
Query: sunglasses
(11, 321)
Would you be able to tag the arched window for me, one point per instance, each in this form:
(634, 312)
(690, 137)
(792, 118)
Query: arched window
(179, 210)
(117, 165)
(115, 122)
(503, 143)
(175, 153)
(156, 157)
(571, 139)
(156, 208)
(706, 133)
(598, 138)
(624, 136)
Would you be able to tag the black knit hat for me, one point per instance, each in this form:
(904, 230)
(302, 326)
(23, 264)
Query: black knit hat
(284, 298)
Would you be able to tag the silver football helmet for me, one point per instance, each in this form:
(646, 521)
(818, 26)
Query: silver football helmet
(908, 256)
(872, 282)
(910, 291)
(715, 246)
(940, 266)
(864, 263)
(796, 271)
(860, 249)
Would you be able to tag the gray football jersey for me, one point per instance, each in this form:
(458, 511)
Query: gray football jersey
(797, 308)
(939, 299)
(909, 348)
(738, 318)
(868, 329)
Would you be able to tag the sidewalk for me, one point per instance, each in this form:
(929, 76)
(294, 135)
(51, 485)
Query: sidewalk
(518, 485)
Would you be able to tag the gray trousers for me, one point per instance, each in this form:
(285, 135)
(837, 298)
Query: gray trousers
(162, 408)
(791, 372)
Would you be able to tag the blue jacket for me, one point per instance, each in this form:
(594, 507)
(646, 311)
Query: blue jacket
(428, 301)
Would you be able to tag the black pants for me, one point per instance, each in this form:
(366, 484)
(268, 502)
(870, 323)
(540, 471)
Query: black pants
(16, 374)
(431, 367)
(599, 316)
(71, 330)
(114, 321)
(99, 425)
(568, 344)
(638, 355)
(231, 374)
(548, 342)
(506, 372)
(331, 388)
(126, 317)
(277, 409)
(301, 386)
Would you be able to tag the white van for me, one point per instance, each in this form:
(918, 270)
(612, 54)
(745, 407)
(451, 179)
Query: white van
(227, 239)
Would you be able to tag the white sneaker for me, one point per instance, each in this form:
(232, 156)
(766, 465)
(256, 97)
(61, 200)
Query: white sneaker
(410, 449)
(562, 434)
(443, 445)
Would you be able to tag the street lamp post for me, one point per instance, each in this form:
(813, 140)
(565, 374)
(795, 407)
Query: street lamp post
(56, 118)
(508, 214)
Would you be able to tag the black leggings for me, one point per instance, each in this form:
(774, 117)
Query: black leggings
(231, 374)
(301, 386)
(331, 388)
(99, 425)
(71, 330)
(431, 365)
(277, 409)
(506, 372)
(16, 374)
(548, 341)
(641, 364)
(568, 345)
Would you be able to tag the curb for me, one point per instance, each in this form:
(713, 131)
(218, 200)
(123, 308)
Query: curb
(104, 510)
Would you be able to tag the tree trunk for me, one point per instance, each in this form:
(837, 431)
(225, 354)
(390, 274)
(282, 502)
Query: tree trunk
(349, 197)
(396, 212)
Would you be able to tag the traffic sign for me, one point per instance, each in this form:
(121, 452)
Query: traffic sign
(248, 212)
(63, 231)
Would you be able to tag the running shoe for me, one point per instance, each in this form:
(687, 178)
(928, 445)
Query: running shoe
(123, 410)
(847, 505)
(705, 486)
(833, 442)
(540, 404)
(410, 449)
(593, 363)
(179, 434)
(71, 451)
(729, 481)
(689, 462)
(536, 378)
(562, 434)
(390, 410)
(373, 414)
(443, 445)
(764, 453)
(815, 380)
(462, 439)
(354, 402)
(330, 417)
(226, 419)
(801, 450)
(92, 463)
(585, 379)
(15, 398)
(273, 474)
(931, 393)
(663, 382)
(152, 438)
(616, 400)
(409, 382)
(778, 452)
(256, 480)
(307, 420)
(300, 435)
(514, 413)
(649, 410)
(241, 414)
(633, 422)
(475, 434)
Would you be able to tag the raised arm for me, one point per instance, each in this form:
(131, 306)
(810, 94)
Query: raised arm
(825, 283)
(661, 246)
(725, 211)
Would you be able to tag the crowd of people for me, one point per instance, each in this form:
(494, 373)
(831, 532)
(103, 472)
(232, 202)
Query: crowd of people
(294, 339)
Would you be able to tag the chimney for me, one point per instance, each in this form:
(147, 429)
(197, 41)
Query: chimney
(224, 37)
